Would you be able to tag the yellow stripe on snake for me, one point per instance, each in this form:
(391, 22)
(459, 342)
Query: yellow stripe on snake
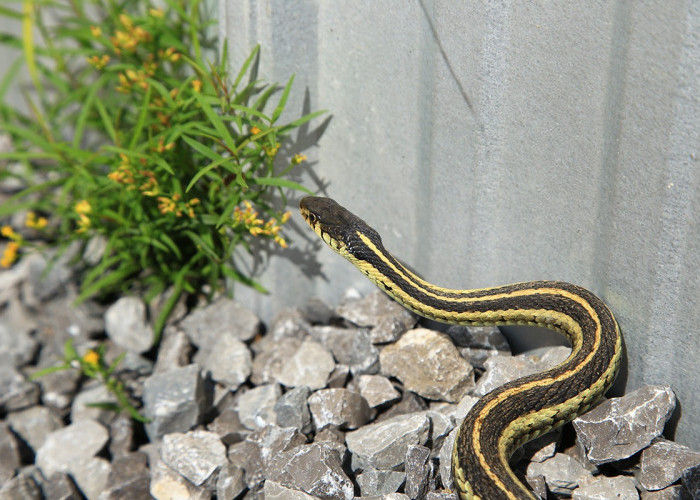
(520, 410)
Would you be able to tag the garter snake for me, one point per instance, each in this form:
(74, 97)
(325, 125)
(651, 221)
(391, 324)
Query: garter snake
(520, 410)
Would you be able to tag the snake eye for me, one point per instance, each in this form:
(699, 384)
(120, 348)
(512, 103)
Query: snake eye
(312, 218)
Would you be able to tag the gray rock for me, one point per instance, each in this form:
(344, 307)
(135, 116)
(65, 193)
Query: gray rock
(230, 482)
(428, 364)
(136, 488)
(418, 470)
(67, 449)
(338, 377)
(338, 407)
(289, 323)
(16, 392)
(292, 409)
(502, 369)
(377, 390)
(445, 459)
(350, 346)
(691, 481)
(174, 401)
(91, 476)
(58, 388)
(440, 427)
(256, 407)
(17, 347)
(195, 455)
(121, 432)
(410, 403)
(228, 361)
(62, 319)
(34, 424)
(387, 319)
(247, 455)
(374, 482)
(675, 492)
(10, 459)
(223, 317)
(272, 440)
(478, 343)
(601, 487)
(60, 486)
(313, 468)
(21, 487)
(90, 394)
(663, 463)
(167, 484)
(127, 473)
(383, 445)
(465, 404)
(562, 473)
(545, 447)
(318, 312)
(126, 325)
(275, 491)
(538, 486)
(269, 358)
(620, 427)
(297, 370)
(227, 425)
(174, 350)
(48, 276)
(441, 495)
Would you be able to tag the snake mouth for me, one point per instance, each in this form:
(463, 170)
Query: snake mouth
(321, 214)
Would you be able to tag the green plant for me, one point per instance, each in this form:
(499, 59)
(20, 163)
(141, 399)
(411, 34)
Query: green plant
(133, 138)
(92, 364)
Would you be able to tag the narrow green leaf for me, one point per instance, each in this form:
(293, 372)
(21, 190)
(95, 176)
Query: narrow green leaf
(141, 121)
(201, 148)
(205, 171)
(232, 273)
(106, 121)
(49, 370)
(246, 65)
(201, 244)
(280, 182)
(221, 129)
(283, 100)
(9, 77)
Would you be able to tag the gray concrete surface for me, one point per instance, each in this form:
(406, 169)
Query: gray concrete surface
(493, 142)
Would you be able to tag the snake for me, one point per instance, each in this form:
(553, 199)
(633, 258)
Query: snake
(520, 410)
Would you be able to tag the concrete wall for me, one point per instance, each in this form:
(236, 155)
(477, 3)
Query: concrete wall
(494, 142)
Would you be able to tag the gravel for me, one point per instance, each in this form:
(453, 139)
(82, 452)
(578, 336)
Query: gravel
(353, 401)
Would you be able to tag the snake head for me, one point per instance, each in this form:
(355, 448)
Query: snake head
(337, 226)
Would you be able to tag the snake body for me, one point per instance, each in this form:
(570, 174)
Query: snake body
(520, 410)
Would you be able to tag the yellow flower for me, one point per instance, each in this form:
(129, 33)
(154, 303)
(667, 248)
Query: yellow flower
(8, 232)
(98, 62)
(150, 187)
(167, 205)
(126, 21)
(298, 158)
(156, 12)
(10, 254)
(169, 54)
(92, 357)
(83, 207)
(197, 85)
(96, 31)
(35, 223)
(254, 130)
(271, 150)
